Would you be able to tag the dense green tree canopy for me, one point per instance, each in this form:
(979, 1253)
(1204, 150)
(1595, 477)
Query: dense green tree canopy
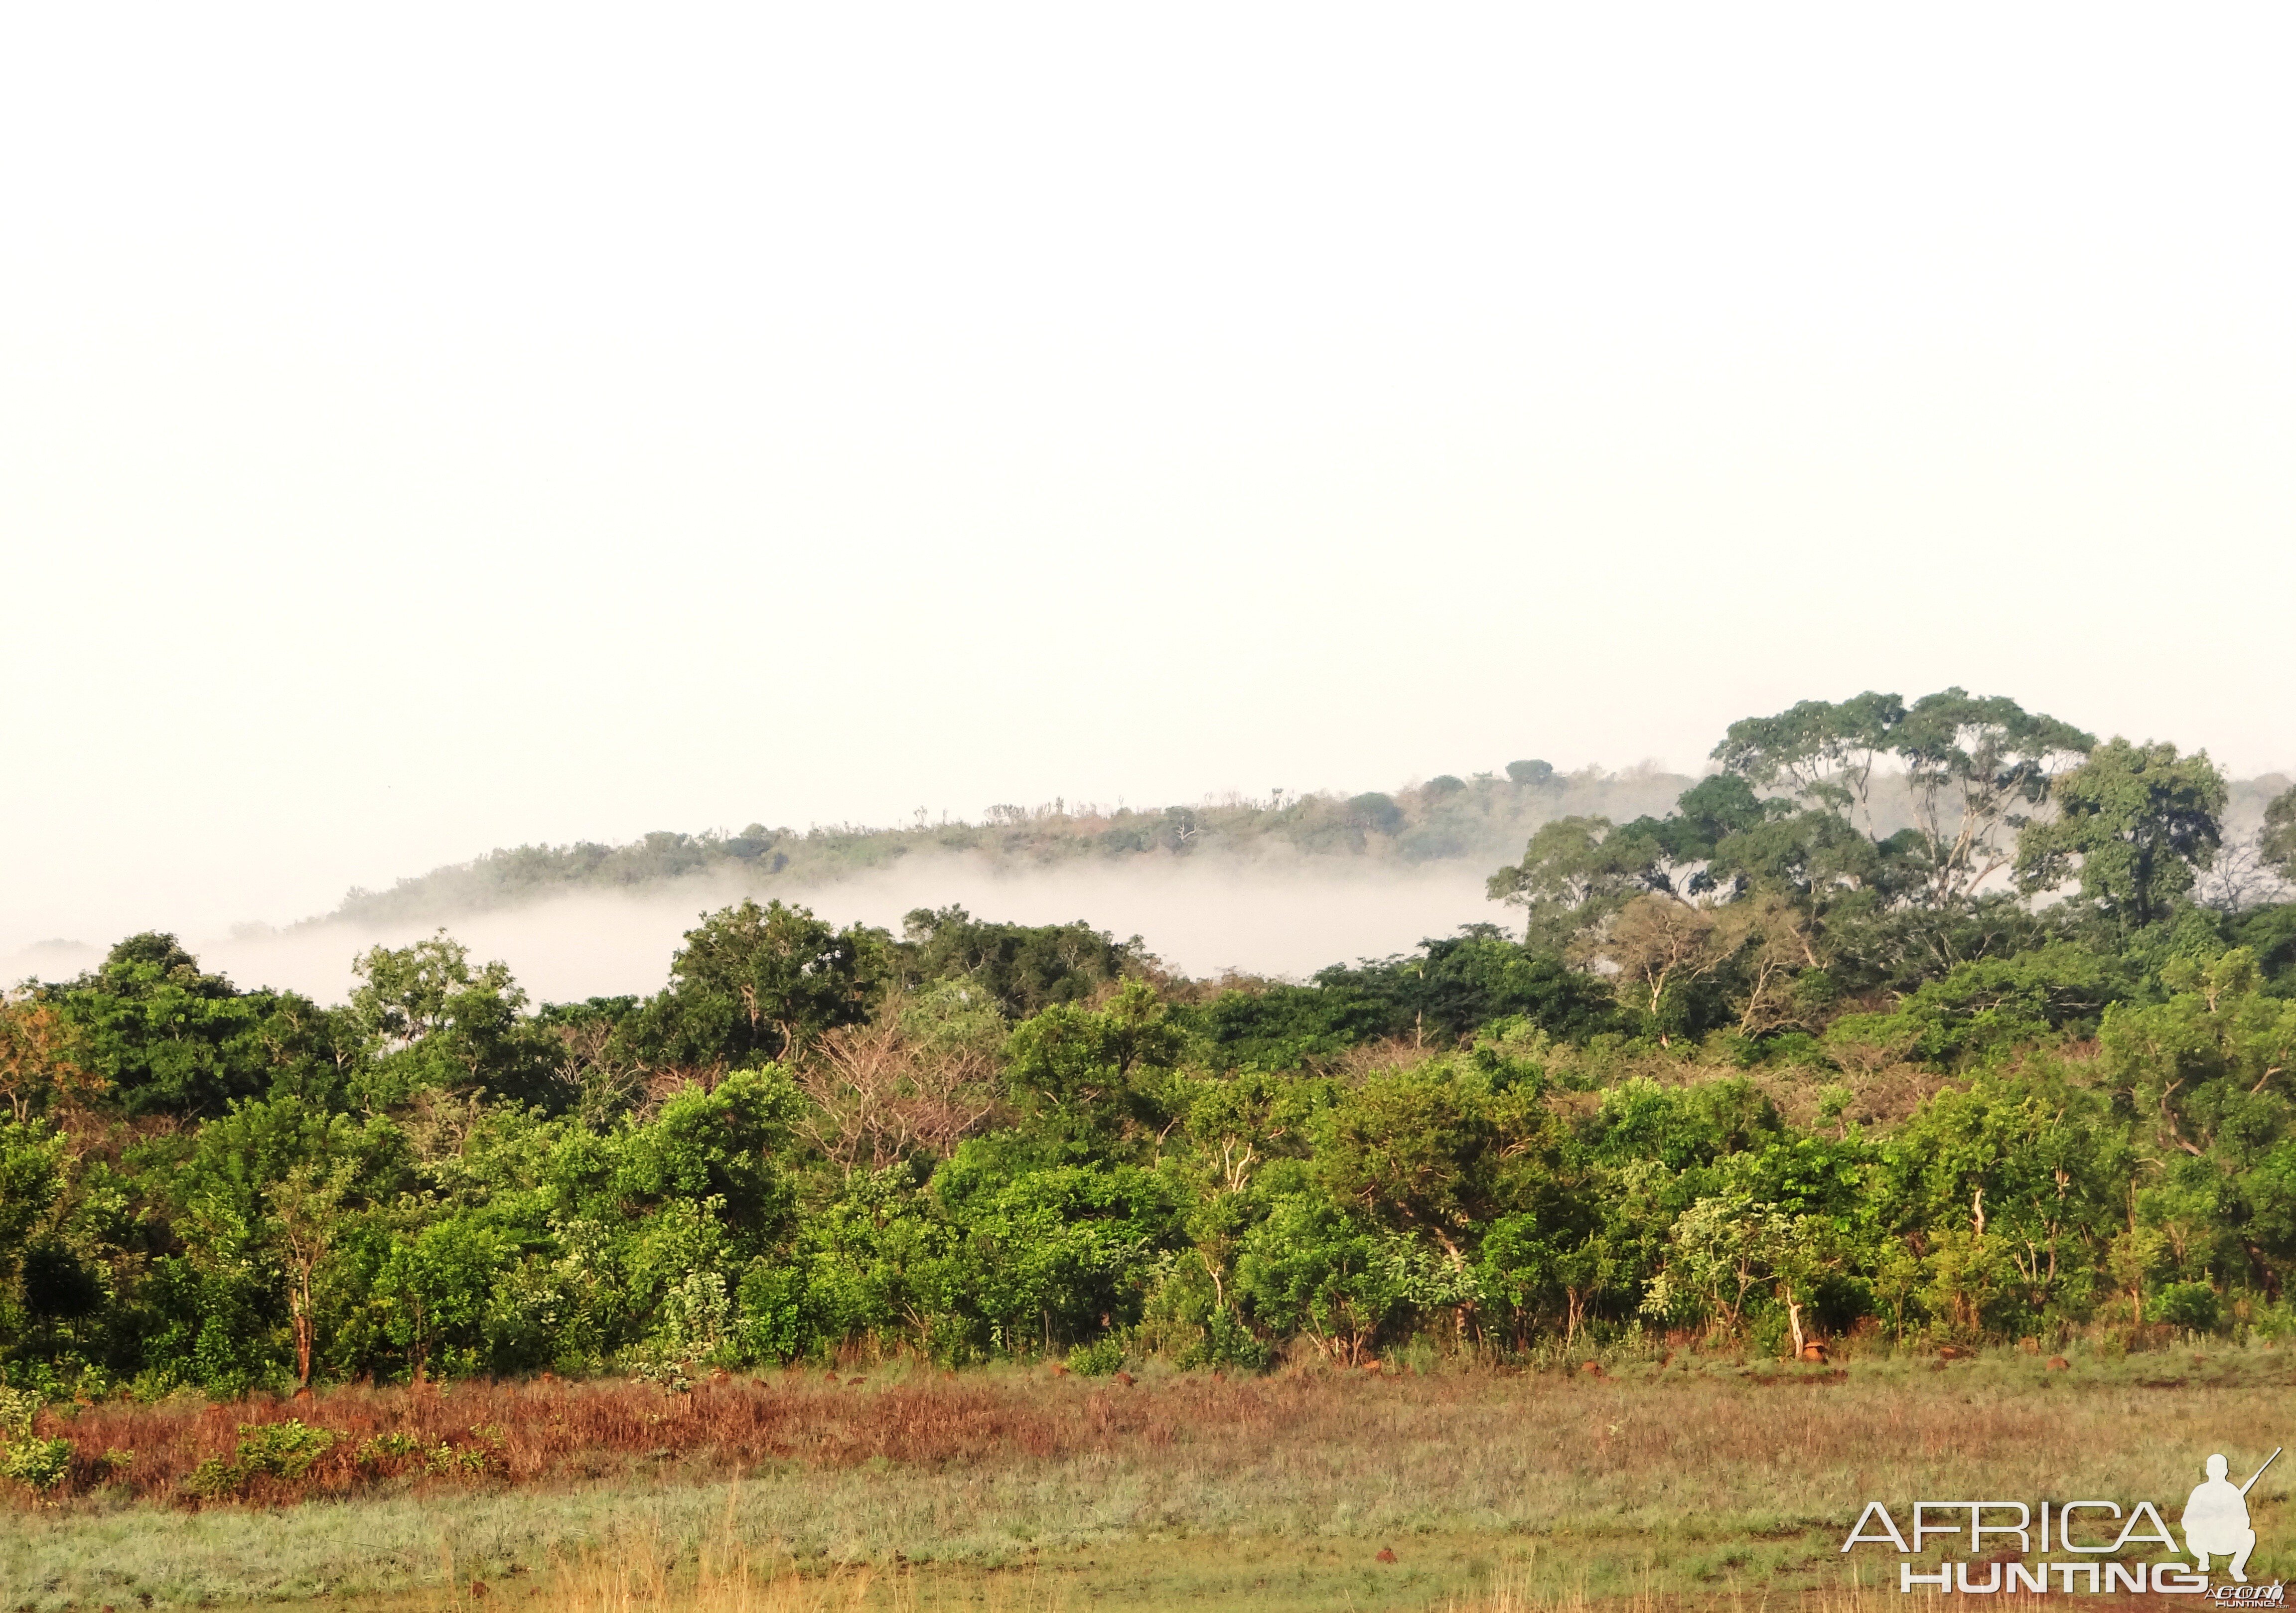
(1021, 968)
(166, 1037)
(755, 980)
(1772, 1065)
(2134, 822)
(1971, 764)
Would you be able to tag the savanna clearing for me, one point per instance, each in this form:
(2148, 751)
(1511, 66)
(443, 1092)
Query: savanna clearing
(1710, 1480)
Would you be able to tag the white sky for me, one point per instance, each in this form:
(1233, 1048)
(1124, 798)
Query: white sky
(427, 428)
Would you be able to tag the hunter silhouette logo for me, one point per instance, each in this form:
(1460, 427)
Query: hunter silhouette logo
(2214, 1521)
(2216, 1517)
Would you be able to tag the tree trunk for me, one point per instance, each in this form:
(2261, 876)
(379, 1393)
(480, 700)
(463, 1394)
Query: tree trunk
(306, 1328)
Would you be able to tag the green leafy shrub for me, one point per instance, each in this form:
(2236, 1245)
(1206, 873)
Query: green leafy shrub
(274, 1449)
(282, 1450)
(214, 1480)
(38, 1464)
(436, 1458)
(2187, 1305)
(1103, 1355)
(18, 1407)
(1226, 1342)
(773, 1305)
(469, 1460)
(390, 1447)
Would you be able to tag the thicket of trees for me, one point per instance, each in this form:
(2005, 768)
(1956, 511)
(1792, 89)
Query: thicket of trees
(1760, 1068)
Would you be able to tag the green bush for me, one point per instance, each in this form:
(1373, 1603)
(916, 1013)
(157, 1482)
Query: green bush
(214, 1480)
(1103, 1355)
(1227, 1342)
(283, 1450)
(441, 1458)
(390, 1447)
(18, 1407)
(2187, 1305)
(39, 1464)
(774, 1324)
(275, 1450)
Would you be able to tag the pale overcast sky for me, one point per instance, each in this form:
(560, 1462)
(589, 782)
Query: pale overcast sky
(429, 428)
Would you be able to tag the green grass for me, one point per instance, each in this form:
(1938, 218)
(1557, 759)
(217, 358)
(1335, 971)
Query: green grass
(1274, 1494)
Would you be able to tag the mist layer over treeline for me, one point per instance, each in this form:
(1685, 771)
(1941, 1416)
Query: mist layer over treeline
(1202, 916)
(1446, 819)
(1765, 1071)
(1278, 886)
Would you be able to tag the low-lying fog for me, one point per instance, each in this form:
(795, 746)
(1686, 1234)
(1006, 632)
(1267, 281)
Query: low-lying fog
(1266, 915)
(1199, 917)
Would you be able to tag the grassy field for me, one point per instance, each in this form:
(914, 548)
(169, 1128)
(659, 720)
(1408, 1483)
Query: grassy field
(1705, 1482)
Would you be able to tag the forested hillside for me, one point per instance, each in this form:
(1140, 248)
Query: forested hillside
(1445, 818)
(2012, 1057)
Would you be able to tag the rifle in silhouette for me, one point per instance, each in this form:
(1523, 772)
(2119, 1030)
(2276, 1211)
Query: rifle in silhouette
(2268, 1461)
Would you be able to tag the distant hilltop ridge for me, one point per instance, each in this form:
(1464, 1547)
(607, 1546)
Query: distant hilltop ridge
(1484, 817)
